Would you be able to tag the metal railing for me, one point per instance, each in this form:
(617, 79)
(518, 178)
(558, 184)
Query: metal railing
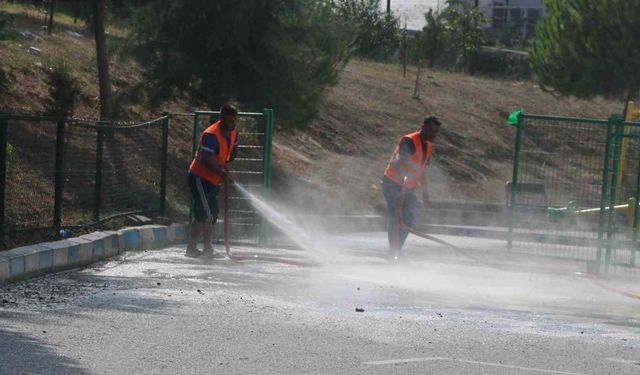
(575, 188)
(58, 172)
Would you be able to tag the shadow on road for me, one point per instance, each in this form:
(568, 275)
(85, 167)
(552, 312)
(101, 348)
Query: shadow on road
(21, 354)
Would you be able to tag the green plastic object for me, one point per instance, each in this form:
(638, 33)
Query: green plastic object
(513, 117)
(558, 213)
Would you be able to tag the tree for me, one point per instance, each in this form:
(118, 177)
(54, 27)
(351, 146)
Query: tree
(588, 48)
(278, 53)
(102, 57)
(377, 34)
(51, 12)
(463, 22)
(63, 88)
(433, 37)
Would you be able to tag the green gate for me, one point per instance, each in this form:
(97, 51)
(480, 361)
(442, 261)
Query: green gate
(251, 169)
(575, 188)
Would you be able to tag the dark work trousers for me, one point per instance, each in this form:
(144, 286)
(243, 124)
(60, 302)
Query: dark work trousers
(391, 192)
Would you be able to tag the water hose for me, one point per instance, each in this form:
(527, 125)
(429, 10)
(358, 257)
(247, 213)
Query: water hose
(401, 224)
(254, 257)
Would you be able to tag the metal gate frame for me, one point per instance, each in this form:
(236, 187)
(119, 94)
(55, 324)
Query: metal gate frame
(618, 134)
(264, 236)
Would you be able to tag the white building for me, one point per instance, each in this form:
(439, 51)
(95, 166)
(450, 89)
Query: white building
(522, 14)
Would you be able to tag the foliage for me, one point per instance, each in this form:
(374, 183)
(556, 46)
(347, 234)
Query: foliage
(5, 81)
(464, 27)
(433, 38)
(500, 64)
(377, 34)
(5, 20)
(587, 48)
(277, 53)
(63, 88)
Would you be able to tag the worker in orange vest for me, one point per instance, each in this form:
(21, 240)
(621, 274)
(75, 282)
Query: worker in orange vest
(208, 171)
(402, 177)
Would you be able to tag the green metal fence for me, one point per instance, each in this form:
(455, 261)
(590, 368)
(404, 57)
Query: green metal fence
(65, 172)
(251, 169)
(575, 188)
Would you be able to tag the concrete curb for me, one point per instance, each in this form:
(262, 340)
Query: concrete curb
(39, 259)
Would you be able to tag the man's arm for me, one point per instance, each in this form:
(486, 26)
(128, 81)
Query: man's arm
(425, 190)
(210, 147)
(403, 163)
(213, 165)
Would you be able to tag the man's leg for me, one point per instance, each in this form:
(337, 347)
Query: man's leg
(391, 192)
(408, 214)
(194, 234)
(195, 228)
(211, 193)
(208, 238)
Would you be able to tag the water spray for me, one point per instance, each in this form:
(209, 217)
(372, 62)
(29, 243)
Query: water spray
(258, 257)
(401, 224)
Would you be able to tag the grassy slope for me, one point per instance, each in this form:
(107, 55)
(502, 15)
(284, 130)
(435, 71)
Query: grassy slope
(342, 154)
(347, 148)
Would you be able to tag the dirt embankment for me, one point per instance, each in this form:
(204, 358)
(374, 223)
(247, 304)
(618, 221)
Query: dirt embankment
(343, 153)
(335, 163)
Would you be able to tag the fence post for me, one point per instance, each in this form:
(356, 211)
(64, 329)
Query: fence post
(59, 177)
(605, 187)
(163, 162)
(97, 187)
(617, 150)
(194, 142)
(514, 178)
(266, 177)
(4, 123)
(634, 232)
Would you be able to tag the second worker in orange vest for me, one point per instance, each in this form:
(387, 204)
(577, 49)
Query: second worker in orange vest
(402, 177)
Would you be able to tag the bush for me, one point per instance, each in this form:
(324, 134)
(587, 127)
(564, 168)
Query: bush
(5, 81)
(63, 88)
(5, 21)
(378, 34)
(276, 53)
(500, 64)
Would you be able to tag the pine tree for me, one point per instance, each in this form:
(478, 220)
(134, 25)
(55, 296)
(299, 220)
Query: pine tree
(587, 48)
(278, 53)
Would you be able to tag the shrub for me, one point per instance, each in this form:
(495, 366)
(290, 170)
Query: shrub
(63, 88)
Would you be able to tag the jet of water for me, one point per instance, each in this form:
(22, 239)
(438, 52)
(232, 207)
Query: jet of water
(296, 233)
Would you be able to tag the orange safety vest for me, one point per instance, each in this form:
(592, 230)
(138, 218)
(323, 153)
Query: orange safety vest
(222, 157)
(416, 166)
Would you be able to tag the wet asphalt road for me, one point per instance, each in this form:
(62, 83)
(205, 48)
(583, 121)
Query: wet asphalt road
(158, 312)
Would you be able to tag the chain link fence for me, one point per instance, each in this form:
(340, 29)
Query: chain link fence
(68, 172)
(574, 188)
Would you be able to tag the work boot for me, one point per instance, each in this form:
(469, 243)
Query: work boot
(403, 257)
(208, 253)
(193, 253)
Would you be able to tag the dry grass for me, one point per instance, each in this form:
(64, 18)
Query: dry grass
(346, 149)
(342, 154)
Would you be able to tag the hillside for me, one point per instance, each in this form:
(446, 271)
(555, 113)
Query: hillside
(346, 149)
(335, 163)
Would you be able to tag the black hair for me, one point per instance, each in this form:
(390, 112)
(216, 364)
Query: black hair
(432, 120)
(228, 110)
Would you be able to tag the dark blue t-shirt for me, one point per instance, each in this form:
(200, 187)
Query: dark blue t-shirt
(210, 145)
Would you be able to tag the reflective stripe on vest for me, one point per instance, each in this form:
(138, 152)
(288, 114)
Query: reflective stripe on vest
(416, 165)
(222, 157)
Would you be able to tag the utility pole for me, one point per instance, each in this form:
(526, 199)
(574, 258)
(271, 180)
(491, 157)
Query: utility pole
(388, 6)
